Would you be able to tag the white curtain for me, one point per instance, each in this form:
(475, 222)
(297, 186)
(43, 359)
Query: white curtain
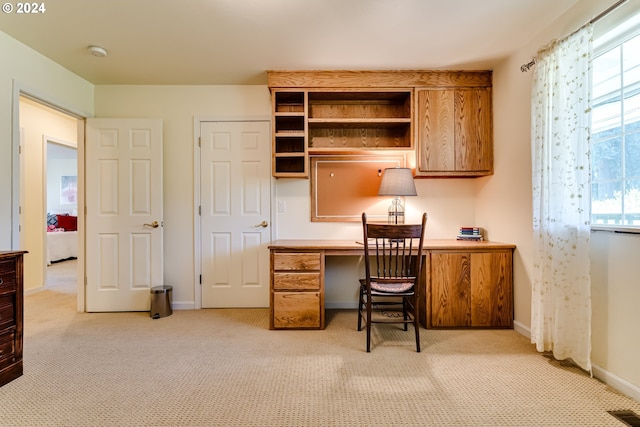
(561, 294)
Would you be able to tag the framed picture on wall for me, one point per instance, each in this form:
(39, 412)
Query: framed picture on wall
(69, 190)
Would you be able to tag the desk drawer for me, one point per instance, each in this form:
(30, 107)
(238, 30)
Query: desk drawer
(296, 281)
(293, 310)
(296, 261)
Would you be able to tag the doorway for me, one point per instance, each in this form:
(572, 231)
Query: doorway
(61, 196)
(40, 124)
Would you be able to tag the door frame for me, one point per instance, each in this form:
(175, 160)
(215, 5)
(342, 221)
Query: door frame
(197, 253)
(19, 90)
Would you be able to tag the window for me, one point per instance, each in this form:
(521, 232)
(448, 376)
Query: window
(615, 133)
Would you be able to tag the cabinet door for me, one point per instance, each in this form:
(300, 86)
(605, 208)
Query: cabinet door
(473, 130)
(435, 124)
(450, 282)
(454, 132)
(491, 289)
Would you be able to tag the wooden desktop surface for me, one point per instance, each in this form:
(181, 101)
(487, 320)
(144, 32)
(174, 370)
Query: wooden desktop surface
(353, 247)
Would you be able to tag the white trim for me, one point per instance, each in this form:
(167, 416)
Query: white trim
(522, 329)
(616, 229)
(20, 89)
(623, 386)
(614, 381)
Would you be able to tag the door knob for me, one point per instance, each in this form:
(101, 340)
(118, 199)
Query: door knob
(154, 224)
(262, 224)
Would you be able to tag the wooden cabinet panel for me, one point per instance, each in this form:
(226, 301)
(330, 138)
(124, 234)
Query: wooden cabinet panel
(492, 292)
(454, 132)
(450, 290)
(435, 123)
(296, 310)
(470, 289)
(473, 130)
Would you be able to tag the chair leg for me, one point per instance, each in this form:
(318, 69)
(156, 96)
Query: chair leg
(405, 313)
(416, 324)
(360, 303)
(368, 323)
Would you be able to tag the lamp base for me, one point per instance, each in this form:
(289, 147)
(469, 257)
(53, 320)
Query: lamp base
(396, 211)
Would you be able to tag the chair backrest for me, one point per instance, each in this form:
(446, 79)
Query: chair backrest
(395, 251)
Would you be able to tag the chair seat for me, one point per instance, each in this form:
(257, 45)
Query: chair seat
(389, 287)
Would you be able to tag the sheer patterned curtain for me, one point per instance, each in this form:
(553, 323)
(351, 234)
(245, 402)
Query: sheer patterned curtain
(561, 295)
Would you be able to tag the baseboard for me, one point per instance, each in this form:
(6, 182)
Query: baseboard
(182, 305)
(522, 329)
(614, 381)
(347, 305)
(601, 374)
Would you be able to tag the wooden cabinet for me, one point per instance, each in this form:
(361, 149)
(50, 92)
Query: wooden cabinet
(297, 290)
(443, 117)
(454, 132)
(11, 315)
(470, 289)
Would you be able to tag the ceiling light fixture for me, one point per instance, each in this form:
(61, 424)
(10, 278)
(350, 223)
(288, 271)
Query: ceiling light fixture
(98, 51)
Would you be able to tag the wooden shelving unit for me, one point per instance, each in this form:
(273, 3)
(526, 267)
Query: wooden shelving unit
(289, 146)
(359, 120)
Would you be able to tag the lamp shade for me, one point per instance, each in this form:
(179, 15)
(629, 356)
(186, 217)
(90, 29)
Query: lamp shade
(397, 182)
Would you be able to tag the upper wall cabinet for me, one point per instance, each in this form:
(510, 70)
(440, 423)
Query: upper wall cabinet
(454, 132)
(340, 112)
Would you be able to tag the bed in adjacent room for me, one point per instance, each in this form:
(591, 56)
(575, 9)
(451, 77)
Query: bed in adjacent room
(62, 238)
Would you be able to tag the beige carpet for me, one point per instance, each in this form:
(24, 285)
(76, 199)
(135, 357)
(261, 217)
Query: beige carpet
(224, 368)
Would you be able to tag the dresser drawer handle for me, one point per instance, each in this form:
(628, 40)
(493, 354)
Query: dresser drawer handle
(1, 281)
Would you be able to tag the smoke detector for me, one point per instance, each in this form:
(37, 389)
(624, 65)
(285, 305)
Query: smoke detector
(98, 51)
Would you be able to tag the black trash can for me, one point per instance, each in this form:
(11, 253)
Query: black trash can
(161, 301)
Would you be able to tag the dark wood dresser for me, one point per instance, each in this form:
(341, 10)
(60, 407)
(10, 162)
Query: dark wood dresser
(11, 315)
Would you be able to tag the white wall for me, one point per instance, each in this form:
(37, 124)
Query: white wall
(450, 203)
(24, 69)
(178, 106)
(615, 293)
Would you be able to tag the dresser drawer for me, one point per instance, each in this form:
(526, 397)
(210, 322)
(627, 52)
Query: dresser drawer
(296, 261)
(7, 349)
(296, 281)
(7, 275)
(7, 311)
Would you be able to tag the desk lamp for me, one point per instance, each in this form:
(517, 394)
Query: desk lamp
(397, 182)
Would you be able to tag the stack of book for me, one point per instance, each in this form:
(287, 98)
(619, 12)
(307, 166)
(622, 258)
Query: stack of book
(470, 233)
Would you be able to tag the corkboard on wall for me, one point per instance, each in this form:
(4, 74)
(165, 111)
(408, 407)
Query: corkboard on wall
(342, 187)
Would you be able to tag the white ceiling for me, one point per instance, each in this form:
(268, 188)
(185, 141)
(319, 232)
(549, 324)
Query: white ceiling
(236, 41)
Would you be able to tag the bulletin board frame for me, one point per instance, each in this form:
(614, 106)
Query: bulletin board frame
(343, 187)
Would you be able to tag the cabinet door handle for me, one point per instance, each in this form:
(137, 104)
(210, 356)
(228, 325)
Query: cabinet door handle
(1, 281)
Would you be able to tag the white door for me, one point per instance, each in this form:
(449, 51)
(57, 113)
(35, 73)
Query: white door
(124, 213)
(235, 170)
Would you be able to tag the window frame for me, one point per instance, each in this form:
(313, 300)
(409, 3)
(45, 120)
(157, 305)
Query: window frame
(605, 42)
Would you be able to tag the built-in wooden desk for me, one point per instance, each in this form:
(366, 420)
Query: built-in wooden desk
(464, 283)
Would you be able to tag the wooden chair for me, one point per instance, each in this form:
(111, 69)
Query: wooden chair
(393, 267)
